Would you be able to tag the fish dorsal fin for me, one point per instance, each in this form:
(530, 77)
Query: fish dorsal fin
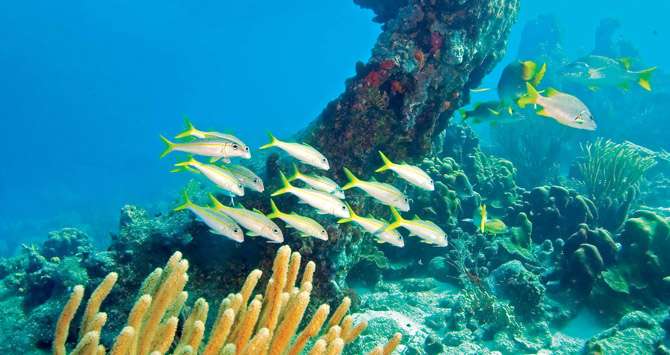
(240, 206)
(551, 92)
(252, 234)
(626, 62)
(528, 68)
(416, 218)
(258, 211)
(372, 178)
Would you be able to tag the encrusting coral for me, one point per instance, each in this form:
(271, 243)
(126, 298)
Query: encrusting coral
(266, 323)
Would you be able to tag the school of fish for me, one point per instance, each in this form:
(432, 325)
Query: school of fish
(322, 194)
(519, 97)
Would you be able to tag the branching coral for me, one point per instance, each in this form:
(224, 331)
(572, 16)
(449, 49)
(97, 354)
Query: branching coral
(608, 170)
(264, 324)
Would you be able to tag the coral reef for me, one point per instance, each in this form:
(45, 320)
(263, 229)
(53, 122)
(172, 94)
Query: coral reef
(427, 57)
(555, 212)
(265, 323)
(636, 333)
(608, 171)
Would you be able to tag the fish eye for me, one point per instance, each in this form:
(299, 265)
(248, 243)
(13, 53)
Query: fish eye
(246, 148)
(255, 180)
(275, 231)
(235, 146)
(240, 186)
(236, 230)
(323, 160)
(343, 208)
(405, 199)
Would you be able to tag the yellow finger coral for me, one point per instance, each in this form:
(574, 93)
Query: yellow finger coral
(264, 324)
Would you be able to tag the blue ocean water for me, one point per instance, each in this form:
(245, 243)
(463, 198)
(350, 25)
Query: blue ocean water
(88, 86)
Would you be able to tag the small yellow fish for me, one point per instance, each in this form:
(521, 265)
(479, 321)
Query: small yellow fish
(483, 220)
(316, 182)
(382, 192)
(303, 152)
(428, 231)
(220, 176)
(375, 227)
(218, 222)
(256, 223)
(409, 173)
(495, 226)
(324, 202)
(215, 148)
(306, 226)
(191, 131)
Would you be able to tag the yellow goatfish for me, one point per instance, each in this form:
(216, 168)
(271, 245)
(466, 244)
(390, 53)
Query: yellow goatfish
(306, 226)
(247, 177)
(215, 148)
(301, 151)
(382, 192)
(324, 202)
(218, 222)
(409, 173)
(316, 182)
(429, 232)
(375, 227)
(256, 223)
(191, 131)
(220, 176)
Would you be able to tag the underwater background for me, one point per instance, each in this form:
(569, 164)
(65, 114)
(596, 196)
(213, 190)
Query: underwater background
(557, 236)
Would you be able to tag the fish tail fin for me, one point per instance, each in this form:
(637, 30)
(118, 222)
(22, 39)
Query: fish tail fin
(169, 146)
(464, 114)
(528, 70)
(273, 142)
(217, 204)
(626, 62)
(644, 78)
(352, 215)
(353, 180)
(296, 173)
(186, 165)
(186, 204)
(287, 186)
(276, 213)
(539, 75)
(530, 97)
(189, 131)
(388, 164)
(397, 220)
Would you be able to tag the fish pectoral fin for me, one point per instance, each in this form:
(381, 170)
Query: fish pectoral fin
(321, 212)
(226, 160)
(214, 159)
(543, 112)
